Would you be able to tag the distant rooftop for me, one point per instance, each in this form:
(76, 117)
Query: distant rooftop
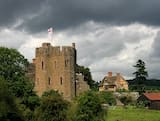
(152, 96)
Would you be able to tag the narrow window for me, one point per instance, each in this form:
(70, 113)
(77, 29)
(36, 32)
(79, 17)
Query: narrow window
(66, 63)
(42, 65)
(61, 80)
(49, 81)
(55, 64)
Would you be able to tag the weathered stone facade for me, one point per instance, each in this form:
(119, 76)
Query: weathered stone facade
(55, 69)
(81, 85)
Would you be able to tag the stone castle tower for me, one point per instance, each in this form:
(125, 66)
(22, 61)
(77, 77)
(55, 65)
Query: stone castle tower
(55, 69)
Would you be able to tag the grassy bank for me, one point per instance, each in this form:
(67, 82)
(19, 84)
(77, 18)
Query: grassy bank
(132, 114)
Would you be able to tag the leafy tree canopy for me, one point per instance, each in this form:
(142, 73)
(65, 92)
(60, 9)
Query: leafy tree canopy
(8, 108)
(88, 107)
(140, 76)
(52, 108)
(12, 68)
(140, 73)
(12, 65)
(140, 69)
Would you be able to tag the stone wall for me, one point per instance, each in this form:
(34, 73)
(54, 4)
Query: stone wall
(55, 69)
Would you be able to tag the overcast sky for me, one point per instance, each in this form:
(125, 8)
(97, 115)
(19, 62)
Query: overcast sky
(110, 35)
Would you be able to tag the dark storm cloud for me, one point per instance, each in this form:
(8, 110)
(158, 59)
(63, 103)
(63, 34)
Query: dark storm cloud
(13, 10)
(69, 13)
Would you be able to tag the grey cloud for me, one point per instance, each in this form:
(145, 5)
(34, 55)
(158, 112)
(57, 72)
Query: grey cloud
(13, 10)
(9, 39)
(156, 47)
(95, 45)
(63, 14)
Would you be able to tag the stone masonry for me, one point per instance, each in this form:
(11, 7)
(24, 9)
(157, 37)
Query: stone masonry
(55, 69)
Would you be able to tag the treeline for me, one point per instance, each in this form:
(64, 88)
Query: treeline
(149, 84)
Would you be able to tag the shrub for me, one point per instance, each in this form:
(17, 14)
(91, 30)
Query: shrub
(88, 108)
(107, 97)
(53, 108)
(126, 100)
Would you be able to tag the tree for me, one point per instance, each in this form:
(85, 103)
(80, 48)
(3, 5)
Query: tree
(140, 75)
(13, 64)
(12, 68)
(87, 76)
(53, 107)
(88, 107)
(8, 108)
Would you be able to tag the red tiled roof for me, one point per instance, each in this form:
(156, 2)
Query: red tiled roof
(152, 96)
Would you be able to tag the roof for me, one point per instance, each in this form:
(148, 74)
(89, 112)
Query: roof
(109, 81)
(152, 96)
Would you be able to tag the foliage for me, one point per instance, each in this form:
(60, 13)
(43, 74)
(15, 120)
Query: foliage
(12, 64)
(150, 85)
(126, 100)
(52, 108)
(140, 76)
(8, 107)
(51, 93)
(107, 97)
(12, 68)
(87, 76)
(88, 108)
(140, 73)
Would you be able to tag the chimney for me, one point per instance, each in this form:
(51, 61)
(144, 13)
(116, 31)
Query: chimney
(109, 74)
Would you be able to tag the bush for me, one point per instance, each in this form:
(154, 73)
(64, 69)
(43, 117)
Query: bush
(107, 98)
(127, 100)
(8, 107)
(52, 108)
(88, 108)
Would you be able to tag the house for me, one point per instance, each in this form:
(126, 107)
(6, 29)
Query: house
(113, 83)
(151, 100)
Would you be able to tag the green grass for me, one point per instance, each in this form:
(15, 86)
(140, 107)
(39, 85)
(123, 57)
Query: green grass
(132, 114)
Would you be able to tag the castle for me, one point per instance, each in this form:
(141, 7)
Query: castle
(54, 68)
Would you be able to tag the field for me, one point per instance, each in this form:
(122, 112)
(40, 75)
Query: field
(132, 114)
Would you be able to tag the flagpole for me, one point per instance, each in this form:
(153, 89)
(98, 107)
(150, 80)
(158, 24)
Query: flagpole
(50, 34)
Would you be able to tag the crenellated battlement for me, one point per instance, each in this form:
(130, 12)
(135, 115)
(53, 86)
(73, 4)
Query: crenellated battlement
(48, 50)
